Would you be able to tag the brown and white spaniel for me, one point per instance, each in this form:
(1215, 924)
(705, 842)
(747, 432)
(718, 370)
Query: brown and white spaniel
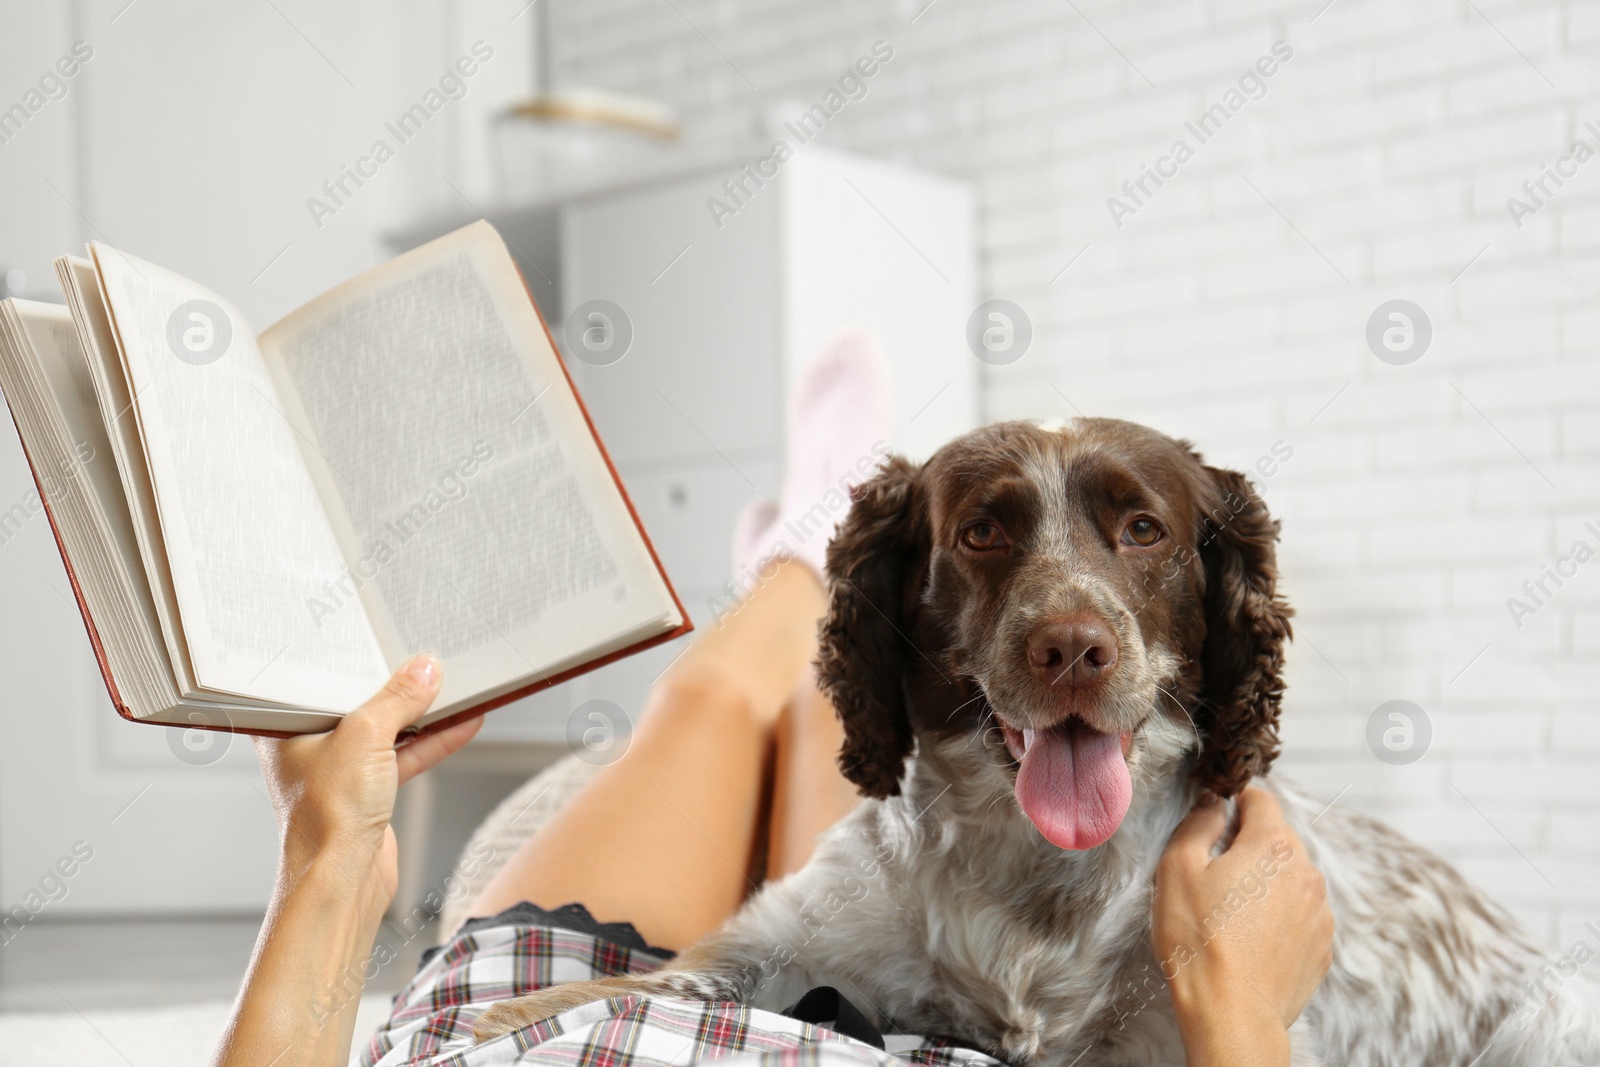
(1043, 643)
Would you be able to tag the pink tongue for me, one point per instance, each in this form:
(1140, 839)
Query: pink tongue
(1073, 784)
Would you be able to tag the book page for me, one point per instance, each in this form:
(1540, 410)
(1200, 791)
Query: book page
(86, 499)
(247, 542)
(46, 374)
(81, 284)
(122, 503)
(476, 512)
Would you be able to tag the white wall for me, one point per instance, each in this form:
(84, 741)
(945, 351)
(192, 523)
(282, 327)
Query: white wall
(1232, 309)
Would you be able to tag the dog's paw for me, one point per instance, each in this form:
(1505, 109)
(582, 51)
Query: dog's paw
(509, 1015)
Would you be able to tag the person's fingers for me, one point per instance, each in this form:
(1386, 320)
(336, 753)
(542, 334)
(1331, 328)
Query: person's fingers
(402, 700)
(1198, 833)
(1260, 816)
(427, 752)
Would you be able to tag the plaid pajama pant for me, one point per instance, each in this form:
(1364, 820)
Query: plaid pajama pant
(525, 949)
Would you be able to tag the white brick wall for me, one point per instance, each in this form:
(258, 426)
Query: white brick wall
(1381, 159)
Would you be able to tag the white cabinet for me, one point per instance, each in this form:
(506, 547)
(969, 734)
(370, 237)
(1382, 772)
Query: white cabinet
(724, 315)
(702, 376)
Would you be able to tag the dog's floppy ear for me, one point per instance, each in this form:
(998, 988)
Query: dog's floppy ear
(1246, 626)
(863, 647)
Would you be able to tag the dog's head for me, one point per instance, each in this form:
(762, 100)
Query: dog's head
(1076, 588)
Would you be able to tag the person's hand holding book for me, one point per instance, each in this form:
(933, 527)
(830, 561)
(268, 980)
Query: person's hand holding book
(333, 794)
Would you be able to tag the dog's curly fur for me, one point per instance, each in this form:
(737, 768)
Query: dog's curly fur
(937, 905)
(868, 561)
(1246, 626)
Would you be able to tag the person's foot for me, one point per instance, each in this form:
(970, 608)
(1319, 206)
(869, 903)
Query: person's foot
(841, 414)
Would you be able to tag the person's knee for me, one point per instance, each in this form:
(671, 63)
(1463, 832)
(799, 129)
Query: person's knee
(698, 698)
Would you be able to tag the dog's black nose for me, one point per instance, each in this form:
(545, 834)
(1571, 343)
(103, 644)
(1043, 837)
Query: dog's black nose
(1073, 650)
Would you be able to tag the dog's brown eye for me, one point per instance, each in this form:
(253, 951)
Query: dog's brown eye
(1141, 532)
(983, 537)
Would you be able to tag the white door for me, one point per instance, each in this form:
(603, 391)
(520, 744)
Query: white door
(193, 136)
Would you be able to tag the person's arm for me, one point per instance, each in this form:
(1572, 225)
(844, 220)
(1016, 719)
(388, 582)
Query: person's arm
(1243, 939)
(333, 794)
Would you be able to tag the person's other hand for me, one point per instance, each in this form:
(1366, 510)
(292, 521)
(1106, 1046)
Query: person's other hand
(1244, 939)
(334, 792)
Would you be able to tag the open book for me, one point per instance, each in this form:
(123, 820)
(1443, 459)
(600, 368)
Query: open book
(260, 529)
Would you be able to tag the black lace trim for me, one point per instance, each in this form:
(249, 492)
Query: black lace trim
(573, 917)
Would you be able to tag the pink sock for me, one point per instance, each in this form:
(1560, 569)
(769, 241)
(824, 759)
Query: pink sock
(841, 415)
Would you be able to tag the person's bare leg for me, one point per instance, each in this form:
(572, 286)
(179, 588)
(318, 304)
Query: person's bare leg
(665, 837)
(809, 794)
(662, 838)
